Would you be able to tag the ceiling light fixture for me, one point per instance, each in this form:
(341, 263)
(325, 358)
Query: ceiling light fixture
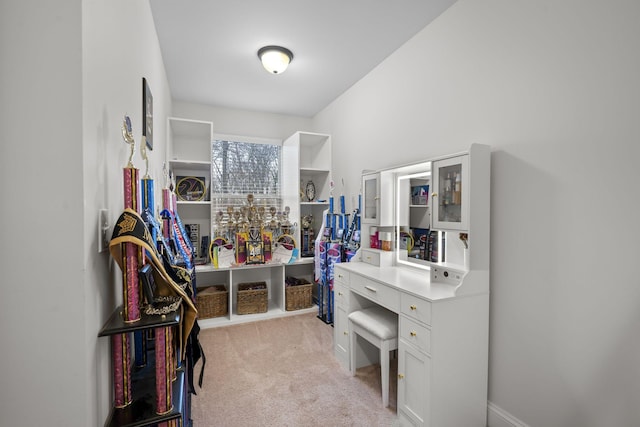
(275, 59)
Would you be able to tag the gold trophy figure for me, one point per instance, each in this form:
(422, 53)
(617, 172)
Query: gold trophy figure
(127, 136)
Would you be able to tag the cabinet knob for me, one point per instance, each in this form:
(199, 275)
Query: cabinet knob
(413, 307)
(434, 194)
(413, 334)
(401, 376)
(340, 294)
(346, 332)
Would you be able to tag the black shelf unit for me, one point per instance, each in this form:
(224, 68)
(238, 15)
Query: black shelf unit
(116, 325)
(141, 411)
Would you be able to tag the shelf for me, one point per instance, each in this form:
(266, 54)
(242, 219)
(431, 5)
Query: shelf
(313, 171)
(190, 128)
(193, 203)
(273, 313)
(196, 165)
(314, 203)
(141, 412)
(116, 325)
(203, 268)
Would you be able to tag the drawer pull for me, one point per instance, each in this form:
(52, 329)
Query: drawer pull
(413, 307)
(401, 376)
(369, 288)
(412, 333)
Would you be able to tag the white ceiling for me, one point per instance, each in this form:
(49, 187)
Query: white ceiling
(209, 47)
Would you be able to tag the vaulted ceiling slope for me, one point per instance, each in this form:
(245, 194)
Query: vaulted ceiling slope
(209, 47)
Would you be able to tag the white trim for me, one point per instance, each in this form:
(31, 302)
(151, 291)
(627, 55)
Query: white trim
(498, 417)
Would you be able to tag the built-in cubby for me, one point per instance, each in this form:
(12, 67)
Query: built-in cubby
(189, 155)
(272, 274)
(306, 165)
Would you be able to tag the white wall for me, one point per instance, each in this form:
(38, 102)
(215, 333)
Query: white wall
(553, 87)
(69, 72)
(231, 121)
(120, 47)
(42, 330)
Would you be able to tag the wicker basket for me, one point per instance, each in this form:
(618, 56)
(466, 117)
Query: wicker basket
(212, 301)
(252, 298)
(298, 295)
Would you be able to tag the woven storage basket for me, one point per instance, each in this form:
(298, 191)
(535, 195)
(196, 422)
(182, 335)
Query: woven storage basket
(212, 301)
(299, 295)
(252, 298)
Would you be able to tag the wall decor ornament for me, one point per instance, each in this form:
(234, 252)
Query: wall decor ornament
(147, 114)
(310, 191)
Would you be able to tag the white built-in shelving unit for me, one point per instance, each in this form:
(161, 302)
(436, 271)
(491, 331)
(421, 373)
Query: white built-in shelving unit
(306, 157)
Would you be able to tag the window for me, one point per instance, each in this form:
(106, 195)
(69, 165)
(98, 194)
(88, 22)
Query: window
(241, 168)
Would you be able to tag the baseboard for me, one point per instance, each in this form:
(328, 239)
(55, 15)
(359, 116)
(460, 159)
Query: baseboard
(498, 417)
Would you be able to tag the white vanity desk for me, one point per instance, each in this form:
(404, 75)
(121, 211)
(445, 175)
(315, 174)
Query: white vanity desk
(442, 349)
(442, 307)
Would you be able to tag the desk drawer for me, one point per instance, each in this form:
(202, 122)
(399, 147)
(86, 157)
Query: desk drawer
(415, 333)
(416, 308)
(370, 256)
(340, 295)
(377, 292)
(377, 257)
(341, 276)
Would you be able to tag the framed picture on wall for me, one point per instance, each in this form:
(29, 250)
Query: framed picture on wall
(147, 113)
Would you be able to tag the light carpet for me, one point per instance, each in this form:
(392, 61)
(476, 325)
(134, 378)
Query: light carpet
(282, 372)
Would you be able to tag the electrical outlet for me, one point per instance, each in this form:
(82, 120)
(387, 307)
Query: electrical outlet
(103, 230)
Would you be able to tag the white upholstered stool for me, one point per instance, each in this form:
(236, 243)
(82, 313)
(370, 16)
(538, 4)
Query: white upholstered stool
(380, 327)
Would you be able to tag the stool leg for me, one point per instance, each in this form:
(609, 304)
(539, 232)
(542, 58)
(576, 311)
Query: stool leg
(352, 350)
(384, 369)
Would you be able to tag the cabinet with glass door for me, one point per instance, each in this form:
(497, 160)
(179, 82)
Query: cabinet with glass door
(378, 196)
(451, 193)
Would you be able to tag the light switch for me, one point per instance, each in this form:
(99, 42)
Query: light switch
(103, 230)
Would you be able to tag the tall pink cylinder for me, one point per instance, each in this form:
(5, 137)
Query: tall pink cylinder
(163, 368)
(131, 286)
(121, 370)
(173, 361)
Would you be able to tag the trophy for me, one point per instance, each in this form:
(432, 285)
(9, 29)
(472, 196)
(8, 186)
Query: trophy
(255, 245)
(127, 136)
(307, 236)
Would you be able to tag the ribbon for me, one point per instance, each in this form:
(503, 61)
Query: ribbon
(130, 228)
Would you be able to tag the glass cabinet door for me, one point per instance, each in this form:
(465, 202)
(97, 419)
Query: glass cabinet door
(450, 194)
(371, 196)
